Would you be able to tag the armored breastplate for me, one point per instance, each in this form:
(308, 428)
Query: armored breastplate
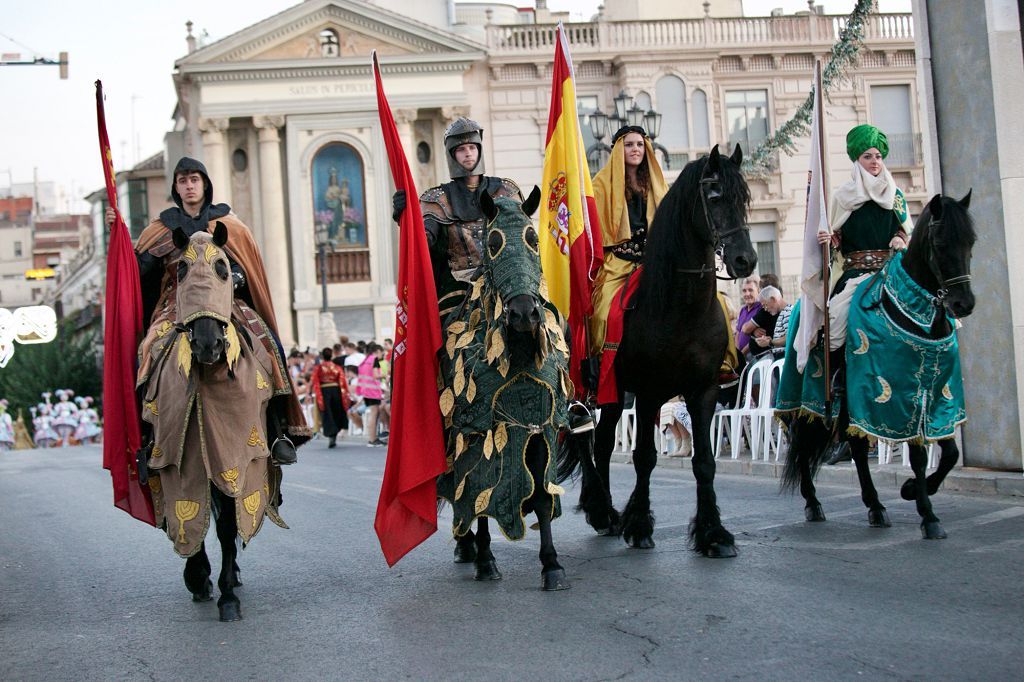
(462, 219)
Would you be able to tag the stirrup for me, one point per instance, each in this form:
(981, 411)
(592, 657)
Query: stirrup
(286, 454)
(580, 418)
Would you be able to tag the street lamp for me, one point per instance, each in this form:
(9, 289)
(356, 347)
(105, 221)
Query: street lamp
(627, 112)
(327, 333)
(322, 242)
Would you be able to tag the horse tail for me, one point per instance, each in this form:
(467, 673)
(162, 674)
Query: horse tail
(574, 451)
(807, 440)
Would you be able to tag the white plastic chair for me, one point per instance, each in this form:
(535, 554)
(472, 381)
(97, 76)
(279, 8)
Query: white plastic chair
(744, 410)
(887, 451)
(762, 421)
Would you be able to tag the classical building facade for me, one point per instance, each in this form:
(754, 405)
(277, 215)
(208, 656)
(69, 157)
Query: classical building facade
(284, 116)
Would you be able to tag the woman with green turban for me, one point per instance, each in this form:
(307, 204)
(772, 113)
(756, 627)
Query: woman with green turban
(869, 221)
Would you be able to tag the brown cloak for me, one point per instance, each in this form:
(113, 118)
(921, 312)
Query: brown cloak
(242, 249)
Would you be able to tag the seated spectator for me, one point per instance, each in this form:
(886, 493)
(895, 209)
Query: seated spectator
(751, 306)
(769, 279)
(675, 419)
(769, 327)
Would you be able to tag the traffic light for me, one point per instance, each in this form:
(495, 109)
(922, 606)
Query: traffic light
(63, 61)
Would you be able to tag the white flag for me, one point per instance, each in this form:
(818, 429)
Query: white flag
(812, 296)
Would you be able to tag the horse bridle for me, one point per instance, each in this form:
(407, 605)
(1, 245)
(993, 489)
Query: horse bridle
(944, 283)
(717, 236)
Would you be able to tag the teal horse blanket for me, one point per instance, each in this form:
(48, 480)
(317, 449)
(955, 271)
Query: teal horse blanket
(900, 385)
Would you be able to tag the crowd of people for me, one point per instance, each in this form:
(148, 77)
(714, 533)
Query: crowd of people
(345, 389)
(60, 419)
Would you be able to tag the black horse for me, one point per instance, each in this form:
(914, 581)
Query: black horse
(938, 259)
(673, 343)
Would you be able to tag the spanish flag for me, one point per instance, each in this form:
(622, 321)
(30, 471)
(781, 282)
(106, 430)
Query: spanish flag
(570, 244)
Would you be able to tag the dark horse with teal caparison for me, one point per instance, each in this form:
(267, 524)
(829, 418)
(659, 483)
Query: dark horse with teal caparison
(938, 261)
(674, 339)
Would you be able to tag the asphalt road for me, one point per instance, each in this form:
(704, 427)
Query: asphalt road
(86, 592)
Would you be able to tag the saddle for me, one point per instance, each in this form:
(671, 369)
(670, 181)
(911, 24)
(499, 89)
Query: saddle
(608, 387)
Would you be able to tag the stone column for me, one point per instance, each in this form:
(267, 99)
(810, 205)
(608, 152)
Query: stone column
(275, 234)
(215, 156)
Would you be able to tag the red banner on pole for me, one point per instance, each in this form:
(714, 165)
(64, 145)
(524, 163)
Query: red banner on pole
(121, 329)
(407, 508)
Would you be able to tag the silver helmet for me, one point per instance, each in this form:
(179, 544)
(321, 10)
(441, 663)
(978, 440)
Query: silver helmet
(464, 131)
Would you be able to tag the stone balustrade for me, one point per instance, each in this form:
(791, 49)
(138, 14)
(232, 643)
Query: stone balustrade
(739, 32)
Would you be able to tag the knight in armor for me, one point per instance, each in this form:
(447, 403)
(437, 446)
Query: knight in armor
(451, 212)
(157, 255)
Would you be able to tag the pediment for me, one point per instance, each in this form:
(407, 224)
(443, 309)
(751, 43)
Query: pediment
(294, 35)
(349, 43)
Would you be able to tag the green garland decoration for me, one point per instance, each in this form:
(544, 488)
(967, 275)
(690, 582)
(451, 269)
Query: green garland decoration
(761, 162)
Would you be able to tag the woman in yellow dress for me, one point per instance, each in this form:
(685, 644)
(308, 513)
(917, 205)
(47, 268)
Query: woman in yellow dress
(627, 192)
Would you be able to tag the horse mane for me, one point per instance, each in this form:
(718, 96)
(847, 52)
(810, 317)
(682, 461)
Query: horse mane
(672, 236)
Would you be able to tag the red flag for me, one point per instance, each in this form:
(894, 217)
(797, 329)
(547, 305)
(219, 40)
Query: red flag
(407, 508)
(121, 428)
(570, 246)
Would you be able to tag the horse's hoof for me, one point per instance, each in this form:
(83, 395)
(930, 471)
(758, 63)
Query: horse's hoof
(465, 554)
(646, 542)
(718, 550)
(879, 518)
(612, 531)
(554, 580)
(205, 594)
(932, 530)
(487, 571)
(814, 513)
(230, 611)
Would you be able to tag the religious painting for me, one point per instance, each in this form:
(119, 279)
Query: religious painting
(339, 202)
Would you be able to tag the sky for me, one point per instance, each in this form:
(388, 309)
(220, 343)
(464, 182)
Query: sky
(48, 125)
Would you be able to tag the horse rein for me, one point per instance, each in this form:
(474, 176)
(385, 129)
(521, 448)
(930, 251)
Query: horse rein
(716, 235)
(944, 283)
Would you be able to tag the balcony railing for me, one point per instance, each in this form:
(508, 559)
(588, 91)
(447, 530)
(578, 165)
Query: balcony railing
(904, 151)
(643, 36)
(346, 266)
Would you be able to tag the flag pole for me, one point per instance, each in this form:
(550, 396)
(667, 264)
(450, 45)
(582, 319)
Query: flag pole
(826, 248)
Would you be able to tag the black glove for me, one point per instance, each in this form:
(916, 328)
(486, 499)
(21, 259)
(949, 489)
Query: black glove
(398, 203)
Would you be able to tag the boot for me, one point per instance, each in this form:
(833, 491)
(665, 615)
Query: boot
(580, 419)
(283, 452)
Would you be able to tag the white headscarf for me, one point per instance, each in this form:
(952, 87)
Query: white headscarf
(862, 188)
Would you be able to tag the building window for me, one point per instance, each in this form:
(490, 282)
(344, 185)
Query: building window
(890, 111)
(17, 249)
(701, 129)
(329, 46)
(671, 96)
(138, 207)
(762, 235)
(746, 113)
